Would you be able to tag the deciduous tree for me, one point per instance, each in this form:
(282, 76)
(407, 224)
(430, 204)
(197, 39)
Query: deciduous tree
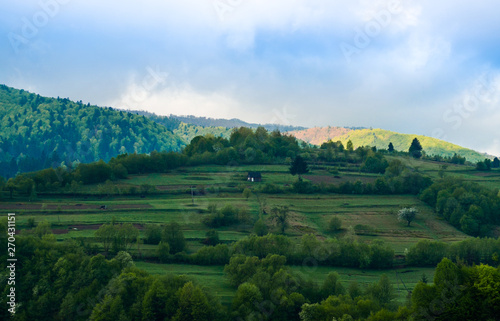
(280, 216)
(407, 214)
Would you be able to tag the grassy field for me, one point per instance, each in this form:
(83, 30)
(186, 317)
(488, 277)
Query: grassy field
(212, 277)
(490, 179)
(373, 217)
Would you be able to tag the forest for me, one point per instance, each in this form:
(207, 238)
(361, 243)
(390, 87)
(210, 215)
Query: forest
(93, 233)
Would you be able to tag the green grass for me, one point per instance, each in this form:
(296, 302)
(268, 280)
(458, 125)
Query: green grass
(399, 278)
(308, 214)
(212, 277)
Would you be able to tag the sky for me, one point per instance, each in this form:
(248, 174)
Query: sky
(416, 67)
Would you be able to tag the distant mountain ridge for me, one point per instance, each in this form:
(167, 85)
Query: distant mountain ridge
(232, 123)
(187, 127)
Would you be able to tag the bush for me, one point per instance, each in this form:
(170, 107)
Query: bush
(303, 187)
(270, 188)
(226, 216)
(334, 224)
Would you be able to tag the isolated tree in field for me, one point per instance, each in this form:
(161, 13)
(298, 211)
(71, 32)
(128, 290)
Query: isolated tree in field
(247, 193)
(334, 224)
(280, 216)
(390, 148)
(407, 214)
(415, 149)
(299, 166)
(495, 163)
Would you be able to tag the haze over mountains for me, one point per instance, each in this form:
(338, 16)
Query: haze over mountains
(39, 132)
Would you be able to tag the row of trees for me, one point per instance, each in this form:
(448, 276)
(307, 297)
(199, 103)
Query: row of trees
(332, 252)
(488, 164)
(470, 251)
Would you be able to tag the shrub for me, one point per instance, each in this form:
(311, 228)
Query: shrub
(334, 224)
(152, 234)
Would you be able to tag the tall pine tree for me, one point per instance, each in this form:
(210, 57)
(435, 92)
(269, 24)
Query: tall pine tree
(415, 148)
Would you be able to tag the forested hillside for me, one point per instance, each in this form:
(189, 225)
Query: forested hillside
(186, 131)
(40, 132)
(381, 139)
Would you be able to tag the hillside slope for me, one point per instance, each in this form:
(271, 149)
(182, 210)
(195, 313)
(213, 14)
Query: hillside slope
(381, 139)
(319, 135)
(38, 132)
(186, 131)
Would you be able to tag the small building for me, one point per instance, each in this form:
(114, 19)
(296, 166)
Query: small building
(254, 177)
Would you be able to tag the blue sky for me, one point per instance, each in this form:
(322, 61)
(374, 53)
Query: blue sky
(409, 66)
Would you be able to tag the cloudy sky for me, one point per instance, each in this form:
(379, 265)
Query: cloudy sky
(410, 66)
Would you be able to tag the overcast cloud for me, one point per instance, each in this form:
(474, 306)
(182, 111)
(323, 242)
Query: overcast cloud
(417, 67)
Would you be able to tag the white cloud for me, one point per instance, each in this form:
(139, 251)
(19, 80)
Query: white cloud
(267, 57)
(181, 99)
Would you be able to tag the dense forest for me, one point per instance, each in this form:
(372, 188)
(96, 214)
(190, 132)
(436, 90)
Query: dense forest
(39, 132)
